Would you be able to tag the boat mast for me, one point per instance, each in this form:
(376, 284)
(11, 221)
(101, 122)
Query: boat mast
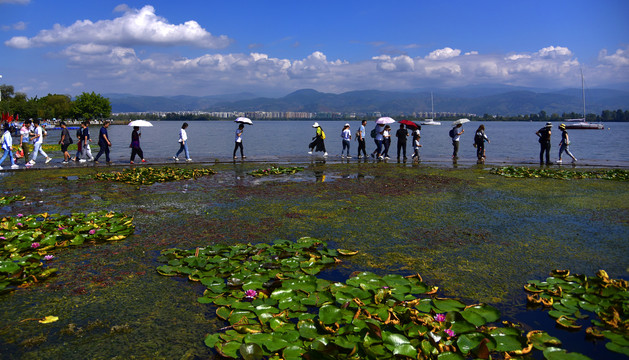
(432, 106)
(583, 93)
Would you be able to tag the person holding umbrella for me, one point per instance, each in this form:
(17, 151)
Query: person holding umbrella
(455, 134)
(401, 134)
(135, 145)
(318, 143)
(238, 142)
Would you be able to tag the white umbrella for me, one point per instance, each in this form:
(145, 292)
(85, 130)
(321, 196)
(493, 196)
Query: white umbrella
(460, 121)
(385, 120)
(140, 123)
(244, 120)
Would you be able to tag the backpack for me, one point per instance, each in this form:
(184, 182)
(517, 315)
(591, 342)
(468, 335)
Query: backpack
(79, 133)
(478, 138)
(452, 133)
(373, 133)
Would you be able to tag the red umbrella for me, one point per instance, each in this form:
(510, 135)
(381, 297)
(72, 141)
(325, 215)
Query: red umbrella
(410, 124)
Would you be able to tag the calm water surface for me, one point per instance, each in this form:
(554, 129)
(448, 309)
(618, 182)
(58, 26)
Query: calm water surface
(511, 142)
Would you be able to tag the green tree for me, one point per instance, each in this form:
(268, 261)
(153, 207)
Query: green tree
(55, 106)
(90, 106)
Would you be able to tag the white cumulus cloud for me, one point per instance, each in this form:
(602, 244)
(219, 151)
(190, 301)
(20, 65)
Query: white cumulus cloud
(620, 58)
(445, 53)
(134, 27)
(554, 51)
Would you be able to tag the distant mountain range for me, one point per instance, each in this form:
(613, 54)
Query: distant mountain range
(502, 100)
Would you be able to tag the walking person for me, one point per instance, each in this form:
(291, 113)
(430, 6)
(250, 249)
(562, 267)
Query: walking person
(376, 134)
(346, 135)
(401, 134)
(79, 144)
(183, 143)
(238, 141)
(318, 143)
(386, 141)
(564, 144)
(416, 145)
(135, 145)
(479, 142)
(544, 143)
(87, 152)
(360, 137)
(65, 142)
(25, 134)
(7, 146)
(104, 143)
(38, 141)
(455, 134)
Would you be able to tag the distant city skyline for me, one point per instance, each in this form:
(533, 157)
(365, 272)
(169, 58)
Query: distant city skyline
(272, 48)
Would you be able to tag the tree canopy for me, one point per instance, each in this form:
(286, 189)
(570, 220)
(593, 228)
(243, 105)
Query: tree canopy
(60, 106)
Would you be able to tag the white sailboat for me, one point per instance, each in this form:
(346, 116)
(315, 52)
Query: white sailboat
(431, 121)
(582, 124)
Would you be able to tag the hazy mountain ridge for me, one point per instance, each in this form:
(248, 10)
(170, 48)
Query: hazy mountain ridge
(481, 100)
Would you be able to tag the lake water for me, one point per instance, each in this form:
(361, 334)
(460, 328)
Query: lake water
(286, 141)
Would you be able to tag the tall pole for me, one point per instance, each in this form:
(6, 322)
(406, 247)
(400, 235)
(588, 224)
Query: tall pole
(583, 93)
(0, 90)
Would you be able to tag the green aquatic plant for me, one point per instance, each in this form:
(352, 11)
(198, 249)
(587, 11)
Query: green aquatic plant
(572, 297)
(27, 241)
(276, 170)
(6, 200)
(277, 307)
(149, 175)
(526, 172)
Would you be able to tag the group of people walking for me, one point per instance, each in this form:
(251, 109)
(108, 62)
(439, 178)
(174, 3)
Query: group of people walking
(33, 133)
(381, 135)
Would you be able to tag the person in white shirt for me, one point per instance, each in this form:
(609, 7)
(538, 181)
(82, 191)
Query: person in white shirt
(238, 141)
(183, 143)
(38, 141)
(7, 146)
(346, 135)
(25, 133)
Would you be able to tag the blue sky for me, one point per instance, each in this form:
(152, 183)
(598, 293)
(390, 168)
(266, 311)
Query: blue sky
(275, 47)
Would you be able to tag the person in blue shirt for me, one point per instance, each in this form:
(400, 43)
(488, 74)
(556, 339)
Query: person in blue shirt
(361, 139)
(104, 143)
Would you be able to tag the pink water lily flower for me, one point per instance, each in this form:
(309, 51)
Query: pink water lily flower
(61, 228)
(19, 224)
(35, 245)
(49, 257)
(92, 232)
(251, 294)
(440, 317)
(2, 238)
(20, 215)
(449, 332)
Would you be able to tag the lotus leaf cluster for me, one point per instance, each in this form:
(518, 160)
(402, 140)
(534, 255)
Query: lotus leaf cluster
(6, 200)
(275, 170)
(526, 172)
(28, 240)
(277, 307)
(149, 175)
(572, 297)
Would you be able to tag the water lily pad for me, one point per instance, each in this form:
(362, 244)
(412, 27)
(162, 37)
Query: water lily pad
(480, 315)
